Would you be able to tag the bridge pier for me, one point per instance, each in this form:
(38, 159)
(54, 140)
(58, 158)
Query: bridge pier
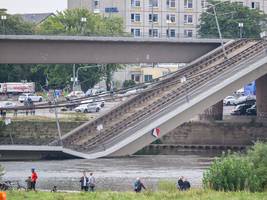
(261, 95)
(214, 112)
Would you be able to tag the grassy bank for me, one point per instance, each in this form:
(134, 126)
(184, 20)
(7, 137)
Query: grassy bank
(164, 195)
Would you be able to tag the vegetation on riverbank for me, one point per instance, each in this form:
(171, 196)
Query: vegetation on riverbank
(235, 172)
(163, 195)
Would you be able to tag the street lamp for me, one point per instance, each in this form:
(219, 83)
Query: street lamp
(168, 23)
(76, 74)
(241, 25)
(3, 18)
(213, 6)
(83, 21)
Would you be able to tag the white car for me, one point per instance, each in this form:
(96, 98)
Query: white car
(82, 108)
(229, 100)
(94, 107)
(31, 96)
(75, 94)
(7, 104)
(244, 99)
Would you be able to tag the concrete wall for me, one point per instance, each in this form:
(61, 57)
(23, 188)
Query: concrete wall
(217, 133)
(191, 133)
(33, 133)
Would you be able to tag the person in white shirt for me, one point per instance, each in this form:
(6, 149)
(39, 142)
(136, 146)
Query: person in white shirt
(91, 182)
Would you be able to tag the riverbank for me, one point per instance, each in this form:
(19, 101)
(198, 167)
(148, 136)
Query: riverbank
(148, 195)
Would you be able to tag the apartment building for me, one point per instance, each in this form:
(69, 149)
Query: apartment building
(150, 18)
(157, 18)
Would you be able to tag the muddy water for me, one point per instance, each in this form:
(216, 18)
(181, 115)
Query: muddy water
(111, 174)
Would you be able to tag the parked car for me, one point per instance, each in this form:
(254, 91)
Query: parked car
(246, 99)
(75, 94)
(252, 110)
(229, 100)
(95, 91)
(240, 109)
(7, 104)
(82, 108)
(31, 96)
(94, 107)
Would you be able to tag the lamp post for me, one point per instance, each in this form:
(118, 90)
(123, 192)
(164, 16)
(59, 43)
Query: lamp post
(213, 6)
(240, 25)
(83, 21)
(3, 18)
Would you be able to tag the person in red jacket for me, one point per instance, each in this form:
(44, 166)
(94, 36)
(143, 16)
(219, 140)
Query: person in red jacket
(34, 178)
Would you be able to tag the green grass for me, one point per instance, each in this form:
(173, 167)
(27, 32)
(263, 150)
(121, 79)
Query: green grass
(148, 195)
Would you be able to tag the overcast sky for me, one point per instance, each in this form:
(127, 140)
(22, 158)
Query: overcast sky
(33, 6)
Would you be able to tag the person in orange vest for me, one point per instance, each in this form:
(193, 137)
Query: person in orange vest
(2, 196)
(34, 178)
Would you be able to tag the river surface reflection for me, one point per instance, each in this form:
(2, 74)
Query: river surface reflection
(111, 173)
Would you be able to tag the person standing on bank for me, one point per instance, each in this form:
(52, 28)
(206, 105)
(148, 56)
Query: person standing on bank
(34, 178)
(91, 182)
(186, 185)
(180, 183)
(84, 182)
(138, 185)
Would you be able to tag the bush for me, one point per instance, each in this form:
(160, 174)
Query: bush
(234, 172)
(258, 156)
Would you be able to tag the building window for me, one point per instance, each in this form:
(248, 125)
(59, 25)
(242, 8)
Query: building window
(153, 17)
(170, 18)
(255, 5)
(136, 32)
(153, 33)
(188, 19)
(135, 77)
(170, 3)
(148, 78)
(171, 33)
(188, 33)
(188, 3)
(135, 3)
(153, 3)
(135, 17)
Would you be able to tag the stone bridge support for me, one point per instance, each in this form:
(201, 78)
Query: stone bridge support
(261, 93)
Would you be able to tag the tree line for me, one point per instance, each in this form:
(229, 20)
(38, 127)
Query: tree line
(68, 22)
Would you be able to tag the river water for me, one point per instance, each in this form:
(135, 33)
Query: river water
(116, 174)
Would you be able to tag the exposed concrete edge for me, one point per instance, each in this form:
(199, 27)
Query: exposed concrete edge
(109, 39)
(29, 148)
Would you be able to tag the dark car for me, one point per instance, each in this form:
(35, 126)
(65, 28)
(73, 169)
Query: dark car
(252, 110)
(240, 109)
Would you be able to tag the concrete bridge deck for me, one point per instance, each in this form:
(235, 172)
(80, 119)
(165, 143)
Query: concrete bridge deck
(34, 49)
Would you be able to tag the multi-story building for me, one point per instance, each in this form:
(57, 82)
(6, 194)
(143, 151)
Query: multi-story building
(157, 18)
(149, 18)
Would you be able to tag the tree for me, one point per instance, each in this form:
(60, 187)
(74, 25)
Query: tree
(14, 25)
(229, 16)
(69, 22)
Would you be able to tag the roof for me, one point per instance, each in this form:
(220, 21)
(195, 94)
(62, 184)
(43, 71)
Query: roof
(35, 18)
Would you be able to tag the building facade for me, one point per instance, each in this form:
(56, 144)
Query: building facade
(150, 18)
(157, 18)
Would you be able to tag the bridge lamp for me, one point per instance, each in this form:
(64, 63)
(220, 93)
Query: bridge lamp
(241, 25)
(83, 21)
(3, 18)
